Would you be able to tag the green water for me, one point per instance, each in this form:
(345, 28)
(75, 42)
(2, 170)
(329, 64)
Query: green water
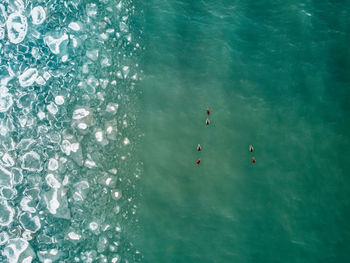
(102, 106)
(275, 74)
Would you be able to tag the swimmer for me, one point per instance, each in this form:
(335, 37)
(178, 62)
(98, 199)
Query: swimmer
(198, 162)
(207, 121)
(253, 160)
(199, 148)
(251, 149)
(208, 111)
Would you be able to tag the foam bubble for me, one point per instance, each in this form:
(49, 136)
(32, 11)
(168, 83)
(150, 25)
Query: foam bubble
(7, 160)
(38, 15)
(25, 204)
(52, 181)
(14, 249)
(30, 222)
(16, 27)
(99, 136)
(4, 237)
(74, 236)
(74, 26)
(28, 77)
(8, 192)
(59, 100)
(5, 177)
(126, 141)
(56, 45)
(93, 226)
(5, 99)
(52, 108)
(53, 164)
(31, 162)
(80, 113)
(6, 213)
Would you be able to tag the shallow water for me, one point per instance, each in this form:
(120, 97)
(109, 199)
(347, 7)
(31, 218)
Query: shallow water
(67, 117)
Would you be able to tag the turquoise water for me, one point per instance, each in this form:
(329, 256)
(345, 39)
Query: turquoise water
(102, 106)
(275, 75)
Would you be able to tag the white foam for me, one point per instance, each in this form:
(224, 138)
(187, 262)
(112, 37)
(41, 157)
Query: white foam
(38, 15)
(4, 237)
(66, 147)
(92, 54)
(116, 194)
(126, 141)
(47, 75)
(16, 27)
(41, 115)
(91, 9)
(112, 108)
(3, 15)
(64, 58)
(40, 80)
(14, 249)
(115, 259)
(2, 33)
(7, 160)
(5, 177)
(93, 226)
(55, 43)
(53, 164)
(74, 236)
(28, 259)
(75, 147)
(80, 113)
(99, 136)
(5, 99)
(28, 77)
(52, 108)
(74, 26)
(30, 222)
(52, 181)
(6, 213)
(90, 164)
(31, 162)
(82, 126)
(59, 100)
(25, 204)
(52, 203)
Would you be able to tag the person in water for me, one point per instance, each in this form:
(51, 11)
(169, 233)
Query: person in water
(208, 111)
(199, 148)
(253, 160)
(207, 121)
(251, 149)
(198, 162)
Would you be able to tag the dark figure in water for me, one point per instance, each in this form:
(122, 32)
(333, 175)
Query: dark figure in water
(207, 121)
(253, 160)
(199, 148)
(208, 111)
(198, 162)
(251, 149)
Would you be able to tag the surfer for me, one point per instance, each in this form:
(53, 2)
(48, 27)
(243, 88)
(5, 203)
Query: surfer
(198, 162)
(207, 121)
(253, 160)
(251, 149)
(208, 111)
(199, 148)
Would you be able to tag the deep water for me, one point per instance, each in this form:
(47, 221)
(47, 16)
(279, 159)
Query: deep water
(275, 74)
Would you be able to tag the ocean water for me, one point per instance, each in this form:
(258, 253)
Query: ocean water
(275, 74)
(102, 106)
